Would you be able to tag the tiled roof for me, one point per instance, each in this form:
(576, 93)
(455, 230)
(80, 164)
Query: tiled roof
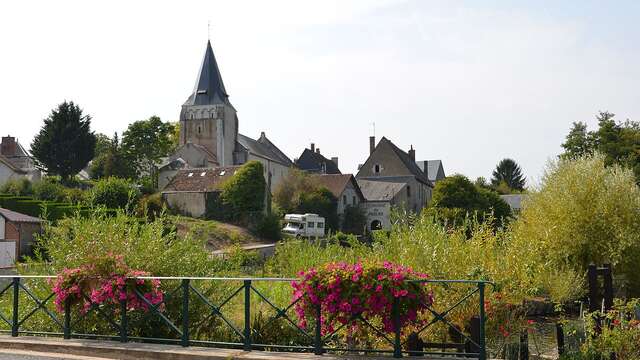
(336, 183)
(379, 190)
(18, 217)
(313, 162)
(200, 180)
(10, 165)
(263, 148)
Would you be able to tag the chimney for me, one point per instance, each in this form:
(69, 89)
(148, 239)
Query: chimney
(8, 147)
(262, 135)
(372, 144)
(313, 147)
(335, 160)
(412, 153)
(317, 150)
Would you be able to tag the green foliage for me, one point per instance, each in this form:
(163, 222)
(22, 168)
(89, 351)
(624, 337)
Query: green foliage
(146, 141)
(509, 172)
(65, 144)
(112, 160)
(584, 212)
(114, 193)
(269, 227)
(244, 193)
(286, 195)
(150, 206)
(49, 189)
(455, 199)
(322, 202)
(619, 143)
(17, 187)
(354, 220)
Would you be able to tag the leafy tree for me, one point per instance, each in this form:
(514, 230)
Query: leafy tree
(147, 141)
(17, 187)
(320, 201)
(114, 193)
(455, 198)
(286, 194)
(49, 189)
(578, 142)
(112, 160)
(244, 192)
(585, 212)
(508, 171)
(354, 220)
(65, 144)
(103, 144)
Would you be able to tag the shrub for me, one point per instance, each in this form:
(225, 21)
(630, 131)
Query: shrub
(150, 206)
(582, 213)
(346, 291)
(75, 196)
(269, 227)
(245, 191)
(17, 187)
(354, 220)
(29, 207)
(48, 190)
(114, 193)
(322, 202)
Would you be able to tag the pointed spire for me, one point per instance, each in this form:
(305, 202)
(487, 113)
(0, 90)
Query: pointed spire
(209, 89)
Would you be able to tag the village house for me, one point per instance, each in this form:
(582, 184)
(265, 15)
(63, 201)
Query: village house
(15, 161)
(344, 187)
(191, 190)
(16, 235)
(433, 169)
(209, 132)
(312, 161)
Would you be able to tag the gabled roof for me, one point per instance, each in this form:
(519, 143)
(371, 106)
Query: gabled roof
(200, 180)
(405, 158)
(336, 183)
(313, 162)
(380, 190)
(432, 168)
(264, 148)
(209, 89)
(18, 217)
(211, 157)
(11, 166)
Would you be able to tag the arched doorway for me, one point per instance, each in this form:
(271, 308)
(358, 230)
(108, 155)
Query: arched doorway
(376, 225)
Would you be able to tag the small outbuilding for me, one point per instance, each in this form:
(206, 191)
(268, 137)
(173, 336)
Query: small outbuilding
(17, 234)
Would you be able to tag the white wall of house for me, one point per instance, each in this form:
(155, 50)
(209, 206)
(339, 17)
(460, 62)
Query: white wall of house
(349, 197)
(187, 203)
(378, 211)
(7, 253)
(277, 170)
(6, 173)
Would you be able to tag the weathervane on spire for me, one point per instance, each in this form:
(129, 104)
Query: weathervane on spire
(208, 29)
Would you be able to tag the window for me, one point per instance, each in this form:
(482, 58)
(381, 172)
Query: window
(344, 200)
(320, 225)
(199, 130)
(354, 200)
(310, 225)
(408, 191)
(376, 169)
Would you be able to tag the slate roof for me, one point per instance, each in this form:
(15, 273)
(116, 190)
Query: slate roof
(431, 168)
(408, 161)
(18, 217)
(312, 162)
(201, 179)
(336, 183)
(263, 147)
(209, 89)
(379, 190)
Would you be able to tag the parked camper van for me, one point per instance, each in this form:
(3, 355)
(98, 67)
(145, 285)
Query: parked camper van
(307, 225)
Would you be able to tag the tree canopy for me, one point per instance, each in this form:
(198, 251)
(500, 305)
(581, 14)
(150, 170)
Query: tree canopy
(508, 172)
(112, 160)
(619, 143)
(65, 143)
(146, 141)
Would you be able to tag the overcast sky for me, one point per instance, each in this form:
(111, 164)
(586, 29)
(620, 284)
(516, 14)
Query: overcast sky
(466, 82)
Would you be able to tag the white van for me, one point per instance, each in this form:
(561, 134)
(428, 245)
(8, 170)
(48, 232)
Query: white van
(307, 225)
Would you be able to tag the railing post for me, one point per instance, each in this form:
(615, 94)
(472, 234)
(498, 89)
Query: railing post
(247, 315)
(124, 322)
(318, 336)
(16, 315)
(397, 348)
(67, 318)
(483, 347)
(185, 312)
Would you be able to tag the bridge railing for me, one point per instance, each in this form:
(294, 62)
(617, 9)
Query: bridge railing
(232, 304)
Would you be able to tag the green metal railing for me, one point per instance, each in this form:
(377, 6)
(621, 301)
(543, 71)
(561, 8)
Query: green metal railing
(472, 346)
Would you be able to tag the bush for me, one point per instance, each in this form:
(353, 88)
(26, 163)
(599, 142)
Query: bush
(150, 206)
(269, 227)
(48, 190)
(322, 202)
(17, 187)
(114, 193)
(354, 220)
(76, 196)
(29, 207)
(582, 213)
(244, 192)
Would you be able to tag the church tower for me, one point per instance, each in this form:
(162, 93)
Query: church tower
(207, 117)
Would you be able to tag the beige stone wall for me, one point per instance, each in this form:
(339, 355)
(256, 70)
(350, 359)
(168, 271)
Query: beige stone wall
(389, 164)
(199, 125)
(187, 203)
(277, 170)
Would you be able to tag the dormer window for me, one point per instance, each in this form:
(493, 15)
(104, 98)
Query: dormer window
(201, 91)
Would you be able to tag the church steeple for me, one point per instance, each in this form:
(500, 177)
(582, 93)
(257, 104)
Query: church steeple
(209, 89)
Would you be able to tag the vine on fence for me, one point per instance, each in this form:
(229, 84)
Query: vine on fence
(367, 290)
(105, 281)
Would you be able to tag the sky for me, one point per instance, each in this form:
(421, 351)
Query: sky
(467, 82)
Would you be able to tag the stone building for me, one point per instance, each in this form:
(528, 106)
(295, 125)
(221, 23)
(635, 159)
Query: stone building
(17, 232)
(312, 161)
(15, 161)
(209, 131)
(433, 169)
(344, 187)
(388, 163)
